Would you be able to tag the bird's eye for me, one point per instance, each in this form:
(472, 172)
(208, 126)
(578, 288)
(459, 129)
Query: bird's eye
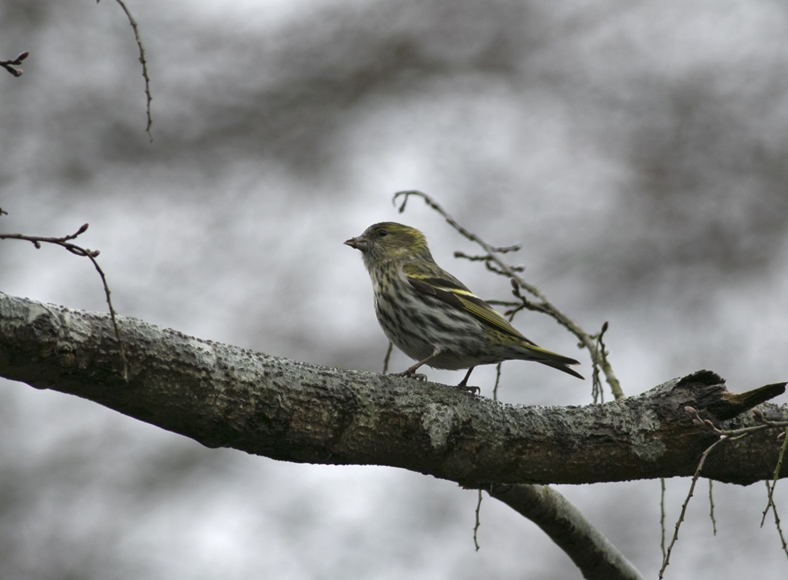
(383, 233)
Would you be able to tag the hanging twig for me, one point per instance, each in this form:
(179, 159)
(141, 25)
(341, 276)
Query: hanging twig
(478, 521)
(662, 516)
(387, 358)
(144, 64)
(711, 507)
(725, 435)
(770, 502)
(666, 559)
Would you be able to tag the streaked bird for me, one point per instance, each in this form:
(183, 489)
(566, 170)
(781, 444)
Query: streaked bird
(433, 317)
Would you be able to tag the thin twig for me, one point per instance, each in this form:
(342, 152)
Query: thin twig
(470, 258)
(10, 65)
(662, 516)
(769, 492)
(770, 502)
(387, 358)
(735, 434)
(478, 521)
(545, 306)
(497, 380)
(510, 315)
(597, 391)
(711, 507)
(666, 559)
(487, 259)
(724, 435)
(65, 242)
(144, 64)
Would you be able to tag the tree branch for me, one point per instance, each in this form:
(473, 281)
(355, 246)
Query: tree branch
(585, 545)
(224, 396)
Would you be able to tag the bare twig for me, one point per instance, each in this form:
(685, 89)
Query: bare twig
(735, 434)
(711, 507)
(544, 305)
(510, 315)
(144, 64)
(488, 261)
(597, 392)
(770, 488)
(65, 242)
(10, 65)
(770, 502)
(387, 358)
(599, 361)
(478, 522)
(725, 435)
(769, 493)
(666, 559)
(497, 380)
(662, 516)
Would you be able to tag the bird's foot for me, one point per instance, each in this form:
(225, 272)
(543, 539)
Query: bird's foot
(464, 383)
(471, 390)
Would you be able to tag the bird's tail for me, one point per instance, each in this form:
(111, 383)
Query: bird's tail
(551, 359)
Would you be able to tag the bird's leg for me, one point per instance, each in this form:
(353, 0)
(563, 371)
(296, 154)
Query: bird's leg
(412, 370)
(464, 383)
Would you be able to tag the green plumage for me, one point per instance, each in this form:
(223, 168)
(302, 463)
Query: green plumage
(433, 317)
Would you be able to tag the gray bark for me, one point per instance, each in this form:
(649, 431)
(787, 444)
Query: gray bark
(224, 396)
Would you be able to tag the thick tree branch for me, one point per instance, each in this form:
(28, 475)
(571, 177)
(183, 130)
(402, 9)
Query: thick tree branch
(224, 396)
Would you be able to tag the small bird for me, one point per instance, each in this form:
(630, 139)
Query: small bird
(431, 316)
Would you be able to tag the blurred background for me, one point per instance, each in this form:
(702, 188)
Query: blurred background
(637, 150)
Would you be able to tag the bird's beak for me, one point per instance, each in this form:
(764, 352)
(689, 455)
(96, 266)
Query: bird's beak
(358, 243)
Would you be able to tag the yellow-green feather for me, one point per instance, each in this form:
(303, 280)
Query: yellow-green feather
(442, 285)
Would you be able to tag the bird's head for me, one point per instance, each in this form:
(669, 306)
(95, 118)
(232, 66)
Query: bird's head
(390, 241)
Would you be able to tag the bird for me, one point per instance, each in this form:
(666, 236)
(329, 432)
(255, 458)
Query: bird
(433, 317)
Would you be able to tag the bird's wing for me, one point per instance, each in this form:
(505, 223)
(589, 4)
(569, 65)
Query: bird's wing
(446, 287)
(432, 280)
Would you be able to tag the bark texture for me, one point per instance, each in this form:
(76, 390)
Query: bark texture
(224, 396)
